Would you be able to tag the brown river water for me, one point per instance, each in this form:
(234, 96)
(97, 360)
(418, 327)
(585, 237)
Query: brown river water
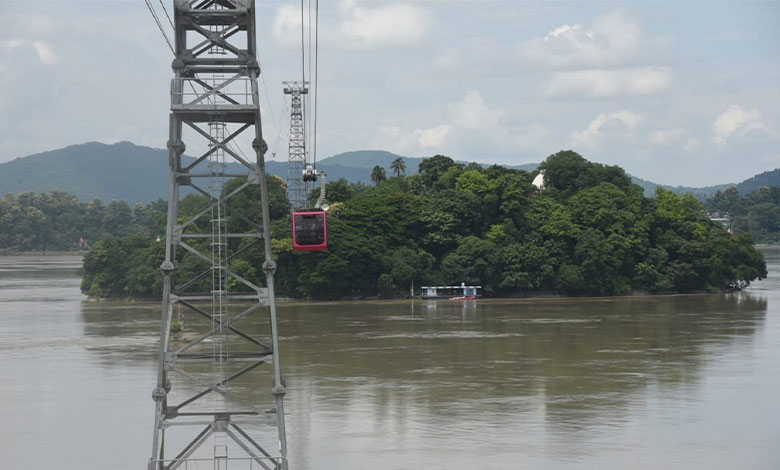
(682, 381)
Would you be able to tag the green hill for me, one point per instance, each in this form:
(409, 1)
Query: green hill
(356, 166)
(701, 193)
(140, 174)
(368, 159)
(767, 178)
(122, 171)
(119, 171)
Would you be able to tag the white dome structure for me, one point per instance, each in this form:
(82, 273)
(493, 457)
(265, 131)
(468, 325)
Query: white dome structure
(539, 181)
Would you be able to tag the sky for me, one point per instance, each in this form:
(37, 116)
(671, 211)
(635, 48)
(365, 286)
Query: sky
(676, 92)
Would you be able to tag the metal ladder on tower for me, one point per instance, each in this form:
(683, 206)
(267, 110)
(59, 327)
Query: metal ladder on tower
(214, 100)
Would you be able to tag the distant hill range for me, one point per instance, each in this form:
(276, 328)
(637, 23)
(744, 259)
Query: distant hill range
(140, 174)
(702, 193)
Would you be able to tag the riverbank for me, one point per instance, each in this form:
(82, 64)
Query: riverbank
(7, 252)
(530, 296)
(285, 299)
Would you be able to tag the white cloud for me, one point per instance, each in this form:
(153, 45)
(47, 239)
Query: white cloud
(394, 24)
(528, 137)
(676, 136)
(449, 59)
(480, 56)
(396, 139)
(472, 113)
(737, 121)
(286, 27)
(488, 126)
(594, 133)
(433, 138)
(45, 54)
(357, 26)
(611, 39)
(665, 137)
(472, 126)
(10, 44)
(601, 83)
(482, 128)
(691, 145)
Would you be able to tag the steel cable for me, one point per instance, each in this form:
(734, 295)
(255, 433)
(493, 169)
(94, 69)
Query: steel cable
(159, 25)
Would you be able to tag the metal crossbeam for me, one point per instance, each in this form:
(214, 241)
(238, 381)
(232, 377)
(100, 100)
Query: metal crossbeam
(214, 99)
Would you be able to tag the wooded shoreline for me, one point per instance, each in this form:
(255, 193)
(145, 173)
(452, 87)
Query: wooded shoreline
(586, 230)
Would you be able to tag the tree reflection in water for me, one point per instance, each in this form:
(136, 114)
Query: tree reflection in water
(564, 368)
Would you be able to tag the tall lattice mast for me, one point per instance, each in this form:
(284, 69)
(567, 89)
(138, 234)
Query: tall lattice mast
(297, 188)
(231, 325)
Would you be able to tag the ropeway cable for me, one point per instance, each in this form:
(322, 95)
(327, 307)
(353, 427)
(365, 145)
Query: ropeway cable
(159, 25)
(166, 14)
(285, 110)
(316, 78)
(303, 70)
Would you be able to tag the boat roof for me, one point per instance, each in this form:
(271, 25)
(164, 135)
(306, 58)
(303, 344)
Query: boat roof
(451, 287)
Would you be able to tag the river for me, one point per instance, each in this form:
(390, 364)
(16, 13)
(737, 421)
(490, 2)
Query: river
(681, 381)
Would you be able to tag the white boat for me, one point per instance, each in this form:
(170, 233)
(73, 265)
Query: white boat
(461, 292)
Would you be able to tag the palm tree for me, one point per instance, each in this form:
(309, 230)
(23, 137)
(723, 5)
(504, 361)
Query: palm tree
(398, 166)
(378, 175)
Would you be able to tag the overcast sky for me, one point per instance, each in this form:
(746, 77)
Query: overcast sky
(676, 92)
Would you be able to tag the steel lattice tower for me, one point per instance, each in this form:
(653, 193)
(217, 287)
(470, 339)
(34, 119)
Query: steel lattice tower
(231, 328)
(297, 188)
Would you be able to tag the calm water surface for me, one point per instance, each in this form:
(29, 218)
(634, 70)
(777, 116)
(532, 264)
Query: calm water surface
(687, 381)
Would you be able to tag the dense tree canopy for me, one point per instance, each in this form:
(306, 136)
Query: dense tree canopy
(57, 221)
(757, 213)
(591, 233)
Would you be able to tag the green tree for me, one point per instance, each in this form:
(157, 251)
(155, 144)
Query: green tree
(448, 178)
(474, 261)
(757, 213)
(378, 175)
(386, 287)
(408, 265)
(473, 182)
(568, 172)
(398, 166)
(431, 169)
(727, 201)
(339, 191)
(527, 266)
(117, 217)
(591, 233)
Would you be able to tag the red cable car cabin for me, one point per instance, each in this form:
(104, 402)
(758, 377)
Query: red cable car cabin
(310, 230)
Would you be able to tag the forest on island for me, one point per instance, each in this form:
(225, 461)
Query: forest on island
(57, 221)
(757, 213)
(589, 232)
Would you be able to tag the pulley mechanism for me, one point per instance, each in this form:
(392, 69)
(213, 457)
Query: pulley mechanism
(309, 174)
